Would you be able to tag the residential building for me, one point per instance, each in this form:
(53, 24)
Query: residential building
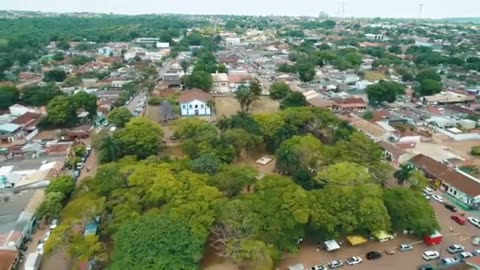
(448, 97)
(393, 153)
(163, 45)
(220, 83)
(195, 102)
(459, 185)
(375, 37)
(105, 51)
(10, 132)
(349, 104)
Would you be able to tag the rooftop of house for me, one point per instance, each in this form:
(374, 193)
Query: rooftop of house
(9, 128)
(461, 181)
(194, 94)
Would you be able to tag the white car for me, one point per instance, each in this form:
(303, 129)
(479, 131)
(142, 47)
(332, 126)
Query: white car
(428, 191)
(335, 264)
(353, 260)
(430, 255)
(40, 248)
(405, 247)
(47, 235)
(474, 221)
(437, 198)
(464, 255)
(54, 224)
(448, 261)
(318, 267)
(455, 249)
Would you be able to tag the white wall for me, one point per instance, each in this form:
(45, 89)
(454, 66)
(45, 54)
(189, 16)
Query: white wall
(195, 107)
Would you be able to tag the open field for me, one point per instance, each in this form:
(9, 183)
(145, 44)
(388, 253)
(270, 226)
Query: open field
(228, 106)
(374, 76)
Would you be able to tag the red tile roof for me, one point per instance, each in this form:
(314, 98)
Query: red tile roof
(28, 119)
(194, 94)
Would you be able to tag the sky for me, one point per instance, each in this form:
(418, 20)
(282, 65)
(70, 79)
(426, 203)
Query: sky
(355, 8)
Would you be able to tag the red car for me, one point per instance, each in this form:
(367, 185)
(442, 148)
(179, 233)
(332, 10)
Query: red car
(460, 220)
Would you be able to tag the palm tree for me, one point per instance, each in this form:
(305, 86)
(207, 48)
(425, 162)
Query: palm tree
(403, 174)
(246, 98)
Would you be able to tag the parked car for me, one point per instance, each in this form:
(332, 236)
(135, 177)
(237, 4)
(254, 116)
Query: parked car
(40, 248)
(476, 252)
(353, 260)
(448, 261)
(47, 235)
(89, 147)
(451, 207)
(405, 247)
(53, 224)
(455, 249)
(80, 165)
(373, 255)
(437, 198)
(428, 191)
(430, 255)
(425, 267)
(464, 255)
(475, 221)
(318, 267)
(476, 241)
(460, 220)
(335, 264)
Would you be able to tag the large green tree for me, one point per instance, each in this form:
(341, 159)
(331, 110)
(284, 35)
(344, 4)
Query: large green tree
(293, 99)
(54, 75)
(344, 174)
(119, 116)
(409, 210)
(199, 79)
(429, 87)
(334, 216)
(40, 95)
(8, 96)
(156, 242)
(384, 91)
(62, 112)
(233, 179)
(140, 137)
(85, 101)
(63, 184)
(298, 152)
(279, 90)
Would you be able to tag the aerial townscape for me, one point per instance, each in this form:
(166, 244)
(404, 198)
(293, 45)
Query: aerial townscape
(228, 142)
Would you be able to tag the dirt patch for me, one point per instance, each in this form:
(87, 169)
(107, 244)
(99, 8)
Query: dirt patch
(374, 76)
(228, 106)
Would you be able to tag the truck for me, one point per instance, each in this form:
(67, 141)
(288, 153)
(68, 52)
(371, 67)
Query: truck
(33, 261)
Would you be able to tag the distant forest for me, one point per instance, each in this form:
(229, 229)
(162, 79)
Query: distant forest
(23, 39)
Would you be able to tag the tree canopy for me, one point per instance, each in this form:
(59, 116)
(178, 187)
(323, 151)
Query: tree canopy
(119, 116)
(140, 137)
(9, 95)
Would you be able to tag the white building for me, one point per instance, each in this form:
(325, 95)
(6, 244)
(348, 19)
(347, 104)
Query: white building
(232, 41)
(194, 102)
(163, 45)
(375, 37)
(220, 83)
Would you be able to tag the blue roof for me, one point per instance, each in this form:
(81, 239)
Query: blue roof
(9, 128)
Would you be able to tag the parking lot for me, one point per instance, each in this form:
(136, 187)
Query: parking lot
(461, 234)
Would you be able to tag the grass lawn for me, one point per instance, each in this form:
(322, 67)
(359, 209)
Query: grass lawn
(374, 76)
(228, 106)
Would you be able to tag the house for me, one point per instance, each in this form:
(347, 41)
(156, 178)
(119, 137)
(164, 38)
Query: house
(459, 185)
(172, 78)
(105, 51)
(195, 102)
(349, 104)
(10, 132)
(220, 83)
(448, 97)
(17, 110)
(393, 154)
